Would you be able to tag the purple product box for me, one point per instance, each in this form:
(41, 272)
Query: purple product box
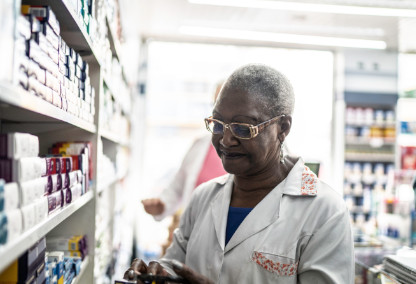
(52, 166)
(55, 201)
(54, 183)
(70, 179)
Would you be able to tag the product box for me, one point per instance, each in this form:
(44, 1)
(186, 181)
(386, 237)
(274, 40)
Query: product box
(11, 225)
(44, 14)
(9, 196)
(53, 165)
(41, 209)
(55, 201)
(21, 170)
(408, 157)
(57, 257)
(32, 190)
(70, 179)
(72, 243)
(36, 71)
(24, 270)
(7, 14)
(29, 216)
(18, 145)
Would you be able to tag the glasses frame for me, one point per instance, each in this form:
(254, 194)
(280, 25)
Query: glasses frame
(254, 129)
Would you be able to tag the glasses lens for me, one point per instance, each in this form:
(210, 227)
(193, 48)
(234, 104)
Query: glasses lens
(242, 131)
(215, 127)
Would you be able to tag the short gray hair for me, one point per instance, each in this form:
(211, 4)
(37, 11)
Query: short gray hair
(273, 90)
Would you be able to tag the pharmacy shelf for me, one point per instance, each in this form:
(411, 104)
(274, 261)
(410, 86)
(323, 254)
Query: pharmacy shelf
(370, 142)
(73, 31)
(114, 42)
(369, 157)
(381, 124)
(12, 250)
(84, 265)
(109, 135)
(19, 105)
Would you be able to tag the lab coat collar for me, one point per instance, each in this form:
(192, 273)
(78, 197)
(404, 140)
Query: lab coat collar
(301, 181)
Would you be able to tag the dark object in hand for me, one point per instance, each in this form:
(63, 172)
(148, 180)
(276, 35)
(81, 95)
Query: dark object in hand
(150, 278)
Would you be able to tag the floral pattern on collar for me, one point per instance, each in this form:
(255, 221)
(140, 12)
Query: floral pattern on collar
(309, 180)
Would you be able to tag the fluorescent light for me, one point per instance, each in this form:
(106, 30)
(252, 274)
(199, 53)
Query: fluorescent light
(281, 37)
(311, 7)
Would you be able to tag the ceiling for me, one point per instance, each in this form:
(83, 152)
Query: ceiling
(164, 19)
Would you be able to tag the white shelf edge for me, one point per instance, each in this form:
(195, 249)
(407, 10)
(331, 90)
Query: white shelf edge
(11, 251)
(78, 278)
(17, 97)
(107, 134)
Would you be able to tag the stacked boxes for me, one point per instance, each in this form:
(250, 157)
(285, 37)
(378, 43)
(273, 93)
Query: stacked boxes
(64, 258)
(73, 246)
(80, 152)
(45, 262)
(24, 203)
(32, 187)
(47, 67)
(10, 216)
(29, 268)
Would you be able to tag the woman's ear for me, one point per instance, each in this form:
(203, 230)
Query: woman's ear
(285, 126)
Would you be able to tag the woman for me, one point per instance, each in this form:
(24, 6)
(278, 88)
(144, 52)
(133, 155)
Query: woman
(271, 220)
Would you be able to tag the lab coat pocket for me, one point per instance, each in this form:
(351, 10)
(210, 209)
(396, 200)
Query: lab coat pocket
(279, 265)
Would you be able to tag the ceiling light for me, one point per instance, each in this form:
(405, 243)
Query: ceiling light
(282, 38)
(311, 7)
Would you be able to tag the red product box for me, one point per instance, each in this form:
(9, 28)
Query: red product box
(408, 157)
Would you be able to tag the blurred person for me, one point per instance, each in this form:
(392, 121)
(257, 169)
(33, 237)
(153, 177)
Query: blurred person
(200, 164)
(271, 219)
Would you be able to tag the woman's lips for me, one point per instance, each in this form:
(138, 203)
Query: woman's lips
(232, 155)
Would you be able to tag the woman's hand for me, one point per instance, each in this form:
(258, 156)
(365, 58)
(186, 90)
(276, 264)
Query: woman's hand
(192, 276)
(138, 267)
(153, 206)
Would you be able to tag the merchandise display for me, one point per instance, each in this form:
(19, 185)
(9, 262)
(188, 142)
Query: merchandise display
(49, 261)
(34, 187)
(64, 72)
(47, 67)
(97, 107)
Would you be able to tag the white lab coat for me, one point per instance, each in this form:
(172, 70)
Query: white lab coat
(299, 233)
(180, 189)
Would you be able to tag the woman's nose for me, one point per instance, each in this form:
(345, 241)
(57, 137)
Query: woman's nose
(228, 138)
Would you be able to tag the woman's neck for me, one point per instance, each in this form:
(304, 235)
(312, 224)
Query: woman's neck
(249, 191)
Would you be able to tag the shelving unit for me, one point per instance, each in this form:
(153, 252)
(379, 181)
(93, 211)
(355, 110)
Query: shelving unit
(370, 135)
(20, 106)
(15, 248)
(21, 111)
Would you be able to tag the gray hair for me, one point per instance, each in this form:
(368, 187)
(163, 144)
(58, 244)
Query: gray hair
(272, 89)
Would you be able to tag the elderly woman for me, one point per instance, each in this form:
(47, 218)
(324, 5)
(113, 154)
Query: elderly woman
(270, 220)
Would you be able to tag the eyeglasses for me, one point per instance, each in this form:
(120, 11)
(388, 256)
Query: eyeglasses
(239, 130)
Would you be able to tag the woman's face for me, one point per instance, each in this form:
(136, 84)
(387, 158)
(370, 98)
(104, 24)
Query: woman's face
(245, 157)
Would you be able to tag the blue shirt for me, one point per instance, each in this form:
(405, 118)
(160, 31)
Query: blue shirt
(236, 215)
